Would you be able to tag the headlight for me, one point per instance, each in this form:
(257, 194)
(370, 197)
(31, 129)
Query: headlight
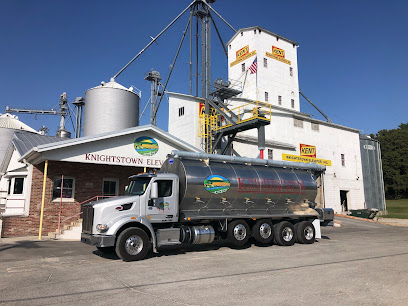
(102, 228)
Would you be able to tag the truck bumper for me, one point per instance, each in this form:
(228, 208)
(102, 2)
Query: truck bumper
(98, 240)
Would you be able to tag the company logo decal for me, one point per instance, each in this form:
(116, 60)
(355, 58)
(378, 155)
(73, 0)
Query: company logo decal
(242, 54)
(307, 150)
(278, 54)
(146, 146)
(216, 184)
(164, 205)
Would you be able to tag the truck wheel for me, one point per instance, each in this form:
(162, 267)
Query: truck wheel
(284, 233)
(305, 232)
(238, 232)
(132, 244)
(262, 231)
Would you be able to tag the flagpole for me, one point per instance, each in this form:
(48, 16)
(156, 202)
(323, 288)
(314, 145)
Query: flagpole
(257, 98)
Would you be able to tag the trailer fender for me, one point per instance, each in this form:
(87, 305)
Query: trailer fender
(119, 224)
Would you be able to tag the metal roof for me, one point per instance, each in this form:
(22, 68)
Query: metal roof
(25, 141)
(53, 145)
(263, 30)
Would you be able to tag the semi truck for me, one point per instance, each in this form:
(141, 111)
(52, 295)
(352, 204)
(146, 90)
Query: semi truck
(197, 198)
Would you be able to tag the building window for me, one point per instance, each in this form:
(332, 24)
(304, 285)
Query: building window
(16, 185)
(181, 111)
(291, 71)
(266, 96)
(265, 62)
(292, 102)
(242, 33)
(280, 100)
(298, 122)
(243, 67)
(270, 154)
(260, 31)
(343, 160)
(230, 46)
(255, 31)
(110, 187)
(315, 127)
(68, 188)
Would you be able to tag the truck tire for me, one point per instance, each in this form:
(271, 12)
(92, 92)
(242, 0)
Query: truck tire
(238, 232)
(305, 232)
(132, 244)
(284, 233)
(262, 231)
(106, 250)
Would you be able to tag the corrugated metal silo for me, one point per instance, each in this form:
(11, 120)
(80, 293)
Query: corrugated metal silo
(372, 173)
(9, 124)
(110, 107)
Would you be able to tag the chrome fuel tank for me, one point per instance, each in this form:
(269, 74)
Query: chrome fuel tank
(221, 189)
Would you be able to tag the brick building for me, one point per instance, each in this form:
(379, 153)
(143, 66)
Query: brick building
(77, 170)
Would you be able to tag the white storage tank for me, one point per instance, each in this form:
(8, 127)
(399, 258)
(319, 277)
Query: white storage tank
(110, 107)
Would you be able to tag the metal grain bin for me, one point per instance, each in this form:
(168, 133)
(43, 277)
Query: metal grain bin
(110, 107)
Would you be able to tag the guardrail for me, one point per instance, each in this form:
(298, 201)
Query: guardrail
(76, 214)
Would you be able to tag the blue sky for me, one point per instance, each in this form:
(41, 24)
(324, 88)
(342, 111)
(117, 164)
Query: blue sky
(352, 56)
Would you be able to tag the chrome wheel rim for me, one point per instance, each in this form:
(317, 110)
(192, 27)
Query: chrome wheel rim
(308, 233)
(265, 230)
(240, 232)
(134, 245)
(287, 234)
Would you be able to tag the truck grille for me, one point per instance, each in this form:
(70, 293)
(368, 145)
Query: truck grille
(87, 218)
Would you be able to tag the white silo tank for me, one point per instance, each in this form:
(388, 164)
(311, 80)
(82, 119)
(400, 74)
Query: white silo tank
(110, 107)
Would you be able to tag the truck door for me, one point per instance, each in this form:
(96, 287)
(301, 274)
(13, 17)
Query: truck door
(164, 208)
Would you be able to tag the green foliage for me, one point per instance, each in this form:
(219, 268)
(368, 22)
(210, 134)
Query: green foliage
(394, 151)
(397, 209)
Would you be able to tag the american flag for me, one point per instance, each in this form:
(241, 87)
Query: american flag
(254, 67)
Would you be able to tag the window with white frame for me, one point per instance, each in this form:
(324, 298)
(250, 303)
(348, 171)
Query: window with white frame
(291, 71)
(15, 185)
(280, 100)
(64, 187)
(265, 62)
(243, 67)
(292, 102)
(110, 187)
(315, 127)
(266, 96)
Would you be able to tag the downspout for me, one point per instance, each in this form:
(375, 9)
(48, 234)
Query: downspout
(43, 198)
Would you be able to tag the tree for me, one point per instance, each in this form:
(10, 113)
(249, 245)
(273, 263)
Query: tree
(394, 151)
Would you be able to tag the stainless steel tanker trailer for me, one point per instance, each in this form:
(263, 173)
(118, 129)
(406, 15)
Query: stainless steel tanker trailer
(198, 198)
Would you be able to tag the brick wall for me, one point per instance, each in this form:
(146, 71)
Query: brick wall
(88, 183)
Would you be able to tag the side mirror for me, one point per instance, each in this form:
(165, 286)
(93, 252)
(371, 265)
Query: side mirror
(154, 191)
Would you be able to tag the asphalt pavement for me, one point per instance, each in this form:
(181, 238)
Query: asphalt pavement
(360, 263)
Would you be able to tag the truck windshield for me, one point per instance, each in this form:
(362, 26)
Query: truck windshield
(138, 186)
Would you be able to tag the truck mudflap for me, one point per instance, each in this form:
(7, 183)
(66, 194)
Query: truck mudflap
(98, 240)
(318, 232)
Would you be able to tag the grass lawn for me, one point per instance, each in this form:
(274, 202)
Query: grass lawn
(397, 209)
